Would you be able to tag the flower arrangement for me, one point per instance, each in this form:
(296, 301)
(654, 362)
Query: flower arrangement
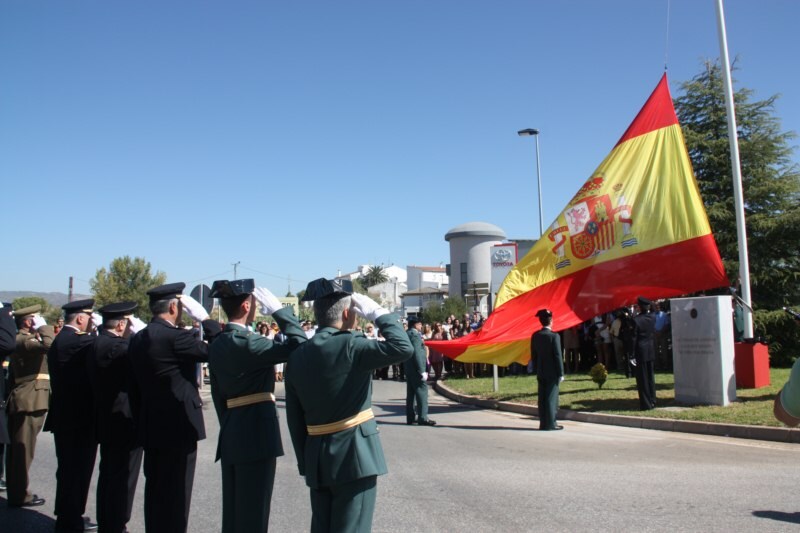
(599, 374)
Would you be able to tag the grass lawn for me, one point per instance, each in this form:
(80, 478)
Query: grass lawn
(618, 396)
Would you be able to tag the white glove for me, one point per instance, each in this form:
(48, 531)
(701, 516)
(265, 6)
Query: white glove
(560, 379)
(97, 320)
(38, 321)
(632, 361)
(136, 324)
(269, 302)
(367, 307)
(424, 376)
(193, 308)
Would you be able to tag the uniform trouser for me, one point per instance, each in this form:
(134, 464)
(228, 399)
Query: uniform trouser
(345, 508)
(547, 402)
(23, 428)
(76, 451)
(246, 496)
(116, 486)
(169, 475)
(416, 393)
(646, 384)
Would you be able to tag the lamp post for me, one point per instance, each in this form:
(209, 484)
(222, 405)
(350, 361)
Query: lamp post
(535, 133)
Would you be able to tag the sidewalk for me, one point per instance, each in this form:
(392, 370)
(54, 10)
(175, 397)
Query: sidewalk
(774, 434)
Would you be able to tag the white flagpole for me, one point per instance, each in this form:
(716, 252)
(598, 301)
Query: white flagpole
(744, 266)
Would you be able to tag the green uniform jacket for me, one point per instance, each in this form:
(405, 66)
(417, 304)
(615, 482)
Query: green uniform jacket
(417, 363)
(328, 379)
(546, 348)
(241, 363)
(29, 360)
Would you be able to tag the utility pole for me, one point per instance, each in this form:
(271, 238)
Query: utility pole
(69, 294)
(235, 266)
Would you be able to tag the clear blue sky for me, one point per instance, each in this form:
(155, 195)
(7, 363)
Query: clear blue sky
(305, 137)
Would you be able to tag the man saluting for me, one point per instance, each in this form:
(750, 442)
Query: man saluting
(329, 405)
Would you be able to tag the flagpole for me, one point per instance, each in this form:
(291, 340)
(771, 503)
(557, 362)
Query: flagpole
(744, 266)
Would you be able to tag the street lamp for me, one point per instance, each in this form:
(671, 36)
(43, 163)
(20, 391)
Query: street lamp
(535, 133)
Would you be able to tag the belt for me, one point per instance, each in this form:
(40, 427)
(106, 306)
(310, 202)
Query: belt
(31, 377)
(341, 425)
(250, 399)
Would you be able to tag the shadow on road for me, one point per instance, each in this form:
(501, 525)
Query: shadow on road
(780, 516)
(23, 520)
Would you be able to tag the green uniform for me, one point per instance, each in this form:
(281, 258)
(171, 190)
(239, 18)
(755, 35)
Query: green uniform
(27, 406)
(416, 388)
(241, 364)
(546, 348)
(329, 379)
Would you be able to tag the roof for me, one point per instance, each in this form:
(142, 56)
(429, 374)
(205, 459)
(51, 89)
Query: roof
(425, 290)
(475, 229)
(429, 269)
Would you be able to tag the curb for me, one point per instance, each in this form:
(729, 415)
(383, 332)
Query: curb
(774, 434)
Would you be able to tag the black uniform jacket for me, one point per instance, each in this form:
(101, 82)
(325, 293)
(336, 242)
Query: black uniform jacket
(164, 359)
(71, 401)
(546, 349)
(644, 349)
(111, 375)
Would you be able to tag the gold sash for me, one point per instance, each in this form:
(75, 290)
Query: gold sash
(250, 399)
(341, 425)
(31, 377)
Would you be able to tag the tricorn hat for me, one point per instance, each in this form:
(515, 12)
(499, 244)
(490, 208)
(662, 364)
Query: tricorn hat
(321, 288)
(644, 301)
(227, 289)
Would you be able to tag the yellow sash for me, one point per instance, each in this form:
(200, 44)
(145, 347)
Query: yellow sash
(341, 425)
(250, 399)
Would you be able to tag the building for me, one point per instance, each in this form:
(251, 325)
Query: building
(470, 268)
(427, 276)
(417, 300)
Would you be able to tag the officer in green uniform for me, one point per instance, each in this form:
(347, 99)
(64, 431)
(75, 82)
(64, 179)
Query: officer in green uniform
(242, 386)
(546, 349)
(417, 377)
(28, 401)
(329, 405)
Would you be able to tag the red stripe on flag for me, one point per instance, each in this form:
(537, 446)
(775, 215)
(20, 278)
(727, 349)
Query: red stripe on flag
(658, 112)
(672, 270)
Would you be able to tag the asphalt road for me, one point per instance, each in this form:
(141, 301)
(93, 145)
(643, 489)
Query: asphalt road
(492, 471)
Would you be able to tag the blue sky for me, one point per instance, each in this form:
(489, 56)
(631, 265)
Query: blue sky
(301, 138)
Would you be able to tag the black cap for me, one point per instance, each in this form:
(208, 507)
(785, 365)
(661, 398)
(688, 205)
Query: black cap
(643, 302)
(117, 310)
(78, 306)
(166, 292)
(321, 288)
(413, 320)
(226, 289)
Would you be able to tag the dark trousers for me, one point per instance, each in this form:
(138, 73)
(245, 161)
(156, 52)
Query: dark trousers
(23, 428)
(416, 393)
(547, 402)
(345, 508)
(169, 475)
(116, 486)
(646, 384)
(246, 496)
(76, 450)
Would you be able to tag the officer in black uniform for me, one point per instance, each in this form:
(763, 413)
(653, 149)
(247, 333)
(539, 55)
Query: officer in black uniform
(645, 354)
(546, 349)
(111, 377)
(71, 416)
(8, 334)
(164, 356)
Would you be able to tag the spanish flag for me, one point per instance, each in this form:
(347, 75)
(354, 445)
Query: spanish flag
(637, 227)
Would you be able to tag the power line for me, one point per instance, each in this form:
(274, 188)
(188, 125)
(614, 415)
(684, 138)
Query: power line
(284, 278)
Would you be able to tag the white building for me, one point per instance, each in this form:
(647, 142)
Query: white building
(390, 294)
(417, 300)
(393, 273)
(470, 258)
(426, 276)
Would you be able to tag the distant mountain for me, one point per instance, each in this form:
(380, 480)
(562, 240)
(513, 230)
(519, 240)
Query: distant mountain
(56, 299)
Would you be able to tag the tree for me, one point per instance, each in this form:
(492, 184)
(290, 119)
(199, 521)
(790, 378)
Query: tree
(771, 186)
(435, 312)
(127, 279)
(375, 275)
(49, 312)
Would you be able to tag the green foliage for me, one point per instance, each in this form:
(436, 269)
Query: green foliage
(599, 374)
(127, 279)
(771, 185)
(435, 312)
(375, 275)
(781, 333)
(49, 312)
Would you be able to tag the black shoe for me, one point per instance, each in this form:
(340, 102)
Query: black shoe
(35, 501)
(2, 485)
(554, 428)
(426, 422)
(88, 525)
(409, 422)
